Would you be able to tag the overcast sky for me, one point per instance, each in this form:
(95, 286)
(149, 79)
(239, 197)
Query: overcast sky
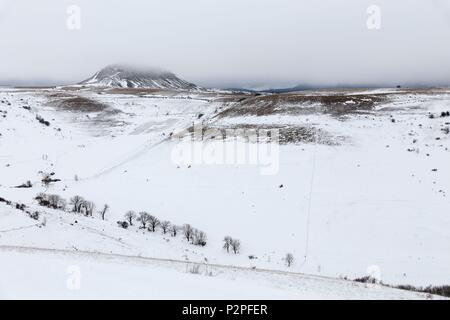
(230, 43)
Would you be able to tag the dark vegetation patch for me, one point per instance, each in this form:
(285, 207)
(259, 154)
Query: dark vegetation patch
(25, 185)
(81, 104)
(284, 134)
(42, 120)
(48, 178)
(105, 116)
(443, 290)
(435, 290)
(443, 114)
(21, 207)
(52, 201)
(132, 91)
(335, 105)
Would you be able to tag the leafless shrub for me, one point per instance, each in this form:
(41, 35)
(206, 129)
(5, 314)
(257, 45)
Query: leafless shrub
(227, 243)
(233, 244)
(51, 201)
(47, 178)
(143, 218)
(174, 230)
(366, 279)
(34, 215)
(289, 259)
(130, 216)
(27, 184)
(165, 225)
(20, 206)
(195, 269)
(76, 202)
(103, 211)
(42, 120)
(188, 232)
(236, 246)
(123, 224)
(87, 207)
(153, 223)
(199, 238)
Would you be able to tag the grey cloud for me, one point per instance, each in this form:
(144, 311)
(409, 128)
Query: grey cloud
(230, 42)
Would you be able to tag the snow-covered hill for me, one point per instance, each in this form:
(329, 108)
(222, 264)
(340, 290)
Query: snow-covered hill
(119, 76)
(74, 257)
(360, 184)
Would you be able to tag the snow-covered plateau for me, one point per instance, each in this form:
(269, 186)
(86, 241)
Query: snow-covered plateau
(356, 184)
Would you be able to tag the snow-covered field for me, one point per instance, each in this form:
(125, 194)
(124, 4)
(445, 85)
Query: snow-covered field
(56, 274)
(370, 195)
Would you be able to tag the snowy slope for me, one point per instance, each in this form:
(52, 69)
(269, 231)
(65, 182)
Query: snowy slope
(106, 265)
(376, 197)
(119, 277)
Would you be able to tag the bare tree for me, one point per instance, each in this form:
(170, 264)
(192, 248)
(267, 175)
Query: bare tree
(199, 238)
(130, 216)
(143, 218)
(56, 202)
(174, 230)
(188, 231)
(289, 259)
(80, 205)
(103, 212)
(165, 225)
(192, 237)
(153, 223)
(236, 246)
(62, 203)
(76, 203)
(88, 207)
(227, 243)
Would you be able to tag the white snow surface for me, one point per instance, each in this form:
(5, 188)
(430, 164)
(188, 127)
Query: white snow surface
(343, 209)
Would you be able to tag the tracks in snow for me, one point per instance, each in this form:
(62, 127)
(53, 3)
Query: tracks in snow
(309, 285)
(150, 260)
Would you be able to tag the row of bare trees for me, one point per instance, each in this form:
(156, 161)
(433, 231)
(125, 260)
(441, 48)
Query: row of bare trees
(144, 219)
(152, 224)
(77, 204)
(194, 235)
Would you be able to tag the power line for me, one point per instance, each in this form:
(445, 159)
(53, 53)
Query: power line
(308, 217)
